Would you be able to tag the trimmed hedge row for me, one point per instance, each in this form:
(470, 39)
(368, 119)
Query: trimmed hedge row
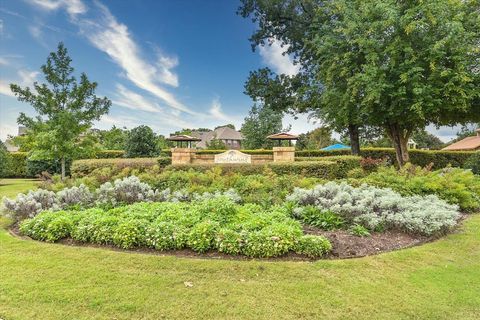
(109, 154)
(19, 166)
(440, 159)
(319, 169)
(81, 168)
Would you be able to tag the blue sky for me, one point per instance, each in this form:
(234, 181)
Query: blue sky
(167, 64)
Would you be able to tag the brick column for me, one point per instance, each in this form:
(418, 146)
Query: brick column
(182, 155)
(283, 154)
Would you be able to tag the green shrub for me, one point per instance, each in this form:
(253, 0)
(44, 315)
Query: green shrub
(439, 158)
(473, 163)
(202, 236)
(271, 241)
(109, 154)
(326, 220)
(313, 246)
(229, 241)
(130, 233)
(82, 168)
(166, 236)
(16, 165)
(36, 167)
(359, 231)
(164, 161)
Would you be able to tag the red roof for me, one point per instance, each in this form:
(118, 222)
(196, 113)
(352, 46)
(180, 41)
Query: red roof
(283, 136)
(469, 143)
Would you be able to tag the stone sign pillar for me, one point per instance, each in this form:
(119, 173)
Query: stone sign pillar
(283, 154)
(182, 155)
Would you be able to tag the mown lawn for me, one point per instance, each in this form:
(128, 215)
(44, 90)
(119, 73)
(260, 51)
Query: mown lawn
(439, 280)
(11, 187)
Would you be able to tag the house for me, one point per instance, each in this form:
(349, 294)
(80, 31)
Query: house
(230, 137)
(9, 142)
(467, 144)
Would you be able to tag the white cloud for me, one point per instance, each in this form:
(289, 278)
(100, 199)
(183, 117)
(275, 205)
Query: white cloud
(273, 56)
(216, 110)
(24, 78)
(114, 38)
(302, 124)
(132, 100)
(73, 7)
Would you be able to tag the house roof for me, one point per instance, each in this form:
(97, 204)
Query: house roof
(221, 133)
(183, 137)
(282, 136)
(469, 143)
(337, 146)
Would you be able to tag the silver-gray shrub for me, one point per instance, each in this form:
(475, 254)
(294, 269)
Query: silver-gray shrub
(75, 196)
(28, 205)
(373, 207)
(123, 191)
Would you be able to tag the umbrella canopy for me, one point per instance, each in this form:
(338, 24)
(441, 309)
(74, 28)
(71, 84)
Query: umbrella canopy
(337, 146)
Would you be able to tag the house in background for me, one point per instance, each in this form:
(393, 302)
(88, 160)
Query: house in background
(230, 137)
(467, 144)
(9, 143)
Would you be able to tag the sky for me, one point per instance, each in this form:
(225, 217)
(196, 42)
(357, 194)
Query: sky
(163, 63)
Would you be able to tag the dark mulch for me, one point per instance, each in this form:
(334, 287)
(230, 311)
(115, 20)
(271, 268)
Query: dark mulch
(346, 245)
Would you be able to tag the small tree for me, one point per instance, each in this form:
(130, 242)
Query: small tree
(216, 144)
(315, 139)
(260, 123)
(141, 142)
(113, 139)
(66, 109)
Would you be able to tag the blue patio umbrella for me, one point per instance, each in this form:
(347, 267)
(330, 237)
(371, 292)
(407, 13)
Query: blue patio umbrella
(337, 146)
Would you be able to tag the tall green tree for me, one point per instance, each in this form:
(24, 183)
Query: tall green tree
(113, 139)
(426, 140)
(291, 22)
(141, 142)
(65, 110)
(315, 139)
(260, 123)
(402, 64)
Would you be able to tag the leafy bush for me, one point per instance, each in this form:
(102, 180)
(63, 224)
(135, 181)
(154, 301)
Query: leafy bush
(473, 163)
(313, 246)
(16, 165)
(373, 207)
(359, 231)
(202, 236)
(456, 186)
(79, 197)
(109, 154)
(126, 191)
(82, 168)
(326, 219)
(370, 164)
(245, 229)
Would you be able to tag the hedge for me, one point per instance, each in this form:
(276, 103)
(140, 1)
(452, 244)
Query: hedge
(19, 166)
(81, 168)
(439, 158)
(109, 154)
(319, 169)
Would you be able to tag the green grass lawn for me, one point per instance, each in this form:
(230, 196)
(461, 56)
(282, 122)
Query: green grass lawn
(11, 187)
(439, 280)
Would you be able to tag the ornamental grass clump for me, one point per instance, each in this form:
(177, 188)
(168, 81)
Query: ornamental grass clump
(376, 208)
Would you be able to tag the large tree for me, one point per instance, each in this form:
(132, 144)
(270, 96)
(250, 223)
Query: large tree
(141, 142)
(260, 123)
(65, 110)
(291, 22)
(404, 64)
(398, 65)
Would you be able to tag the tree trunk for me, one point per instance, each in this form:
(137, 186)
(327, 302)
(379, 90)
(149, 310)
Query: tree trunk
(63, 168)
(354, 138)
(399, 138)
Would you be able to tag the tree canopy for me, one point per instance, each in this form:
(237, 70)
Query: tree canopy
(66, 109)
(260, 123)
(141, 142)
